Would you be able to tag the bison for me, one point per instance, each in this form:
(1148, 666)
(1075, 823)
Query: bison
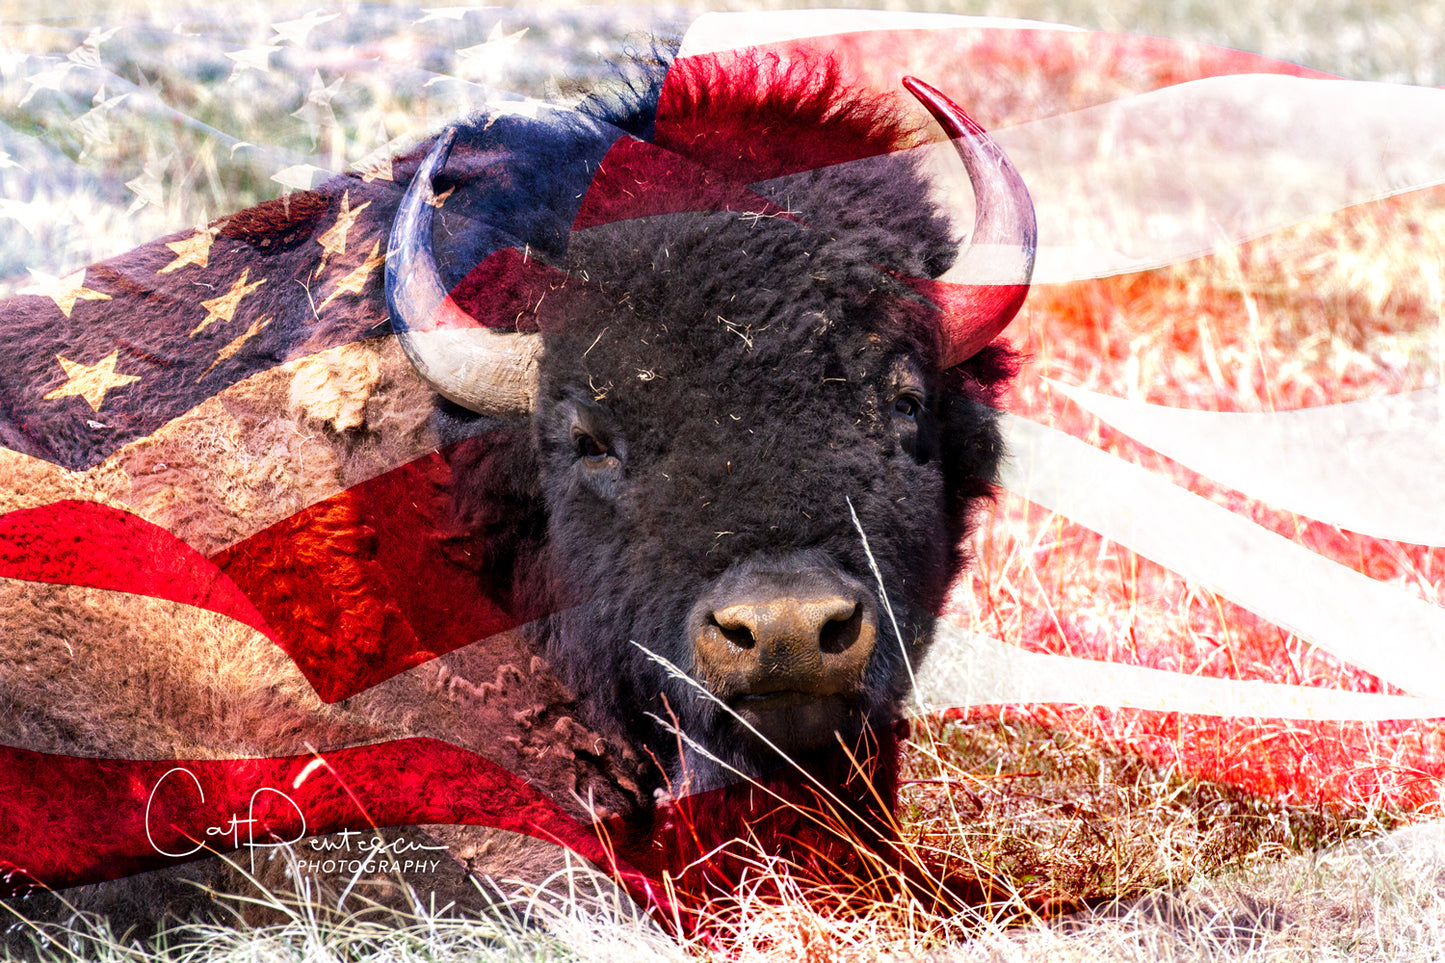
(715, 432)
(757, 427)
(755, 443)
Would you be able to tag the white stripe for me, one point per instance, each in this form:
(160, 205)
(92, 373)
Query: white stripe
(1165, 176)
(1376, 626)
(1375, 466)
(965, 669)
(719, 32)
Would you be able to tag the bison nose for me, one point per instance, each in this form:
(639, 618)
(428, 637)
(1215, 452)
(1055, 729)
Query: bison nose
(814, 643)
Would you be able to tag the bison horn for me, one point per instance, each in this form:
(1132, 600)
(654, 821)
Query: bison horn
(488, 371)
(995, 270)
(495, 372)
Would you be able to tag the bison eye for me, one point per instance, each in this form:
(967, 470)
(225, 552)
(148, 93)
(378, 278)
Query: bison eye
(908, 406)
(591, 449)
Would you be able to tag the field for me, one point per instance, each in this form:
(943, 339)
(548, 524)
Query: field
(1095, 834)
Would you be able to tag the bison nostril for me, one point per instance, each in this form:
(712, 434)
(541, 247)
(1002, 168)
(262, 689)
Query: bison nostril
(790, 639)
(839, 633)
(738, 635)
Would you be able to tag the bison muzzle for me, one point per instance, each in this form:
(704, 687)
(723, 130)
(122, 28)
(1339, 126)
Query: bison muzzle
(785, 646)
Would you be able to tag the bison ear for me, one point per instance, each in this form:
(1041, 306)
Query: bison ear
(970, 443)
(497, 522)
(970, 453)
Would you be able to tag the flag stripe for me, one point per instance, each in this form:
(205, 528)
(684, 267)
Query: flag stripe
(1173, 174)
(254, 453)
(85, 543)
(640, 179)
(106, 673)
(1338, 609)
(878, 47)
(325, 517)
(1340, 765)
(163, 353)
(359, 586)
(122, 816)
(965, 670)
(1375, 466)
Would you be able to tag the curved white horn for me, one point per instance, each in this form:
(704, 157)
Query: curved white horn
(486, 370)
(998, 264)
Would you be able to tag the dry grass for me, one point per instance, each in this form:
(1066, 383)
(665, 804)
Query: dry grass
(535, 926)
(1064, 822)
(1090, 853)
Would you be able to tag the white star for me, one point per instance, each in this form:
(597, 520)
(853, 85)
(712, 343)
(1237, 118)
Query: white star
(229, 351)
(10, 61)
(94, 127)
(88, 53)
(299, 177)
(48, 79)
(376, 166)
(90, 381)
(333, 241)
(103, 103)
(443, 13)
(63, 291)
(296, 31)
(316, 108)
(486, 62)
(224, 308)
(193, 250)
(253, 58)
(22, 214)
(149, 187)
(525, 107)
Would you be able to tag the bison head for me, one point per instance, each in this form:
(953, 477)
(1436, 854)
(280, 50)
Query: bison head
(758, 425)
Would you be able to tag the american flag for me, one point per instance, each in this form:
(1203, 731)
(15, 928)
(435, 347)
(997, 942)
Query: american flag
(216, 433)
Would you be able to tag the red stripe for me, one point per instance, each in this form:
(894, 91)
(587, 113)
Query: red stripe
(89, 544)
(360, 587)
(1398, 765)
(975, 314)
(761, 112)
(637, 179)
(356, 588)
(1039, 69)
(509, 288)
(66, 821)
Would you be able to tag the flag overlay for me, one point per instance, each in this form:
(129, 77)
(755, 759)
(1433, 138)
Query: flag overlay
(213, 443)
